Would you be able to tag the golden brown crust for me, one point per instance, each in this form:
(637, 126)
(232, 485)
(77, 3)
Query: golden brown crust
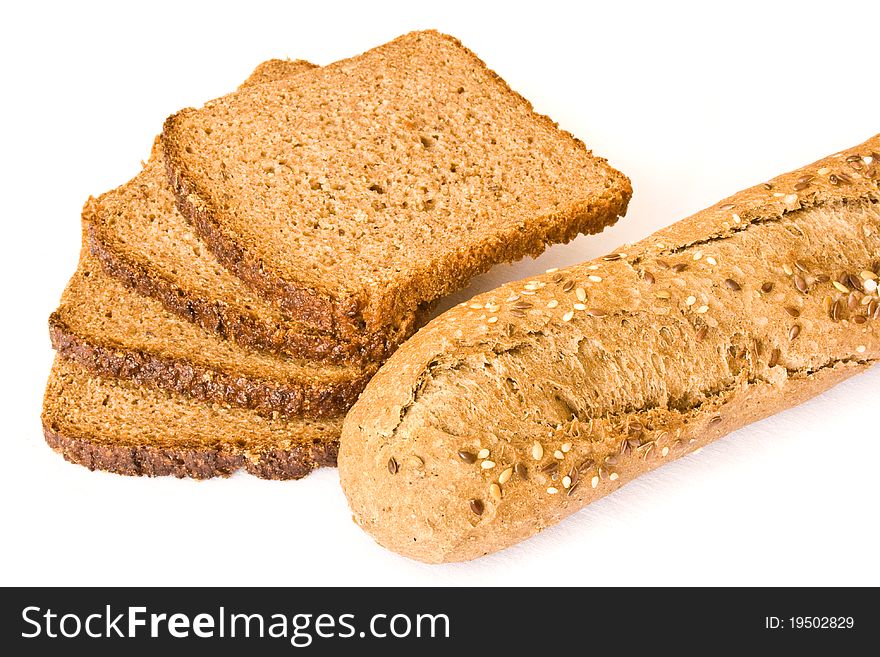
(582, 379)
(349, 314)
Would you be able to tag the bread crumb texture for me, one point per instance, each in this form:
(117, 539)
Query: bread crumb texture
(574, 382)
(360, 190)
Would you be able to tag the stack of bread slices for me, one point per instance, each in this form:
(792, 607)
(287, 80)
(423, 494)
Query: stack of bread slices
(234, 298)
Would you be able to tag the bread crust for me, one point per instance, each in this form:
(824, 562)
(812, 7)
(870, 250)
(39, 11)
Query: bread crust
(296, 398)
(196, 463)
(588, 377)
(351, 315)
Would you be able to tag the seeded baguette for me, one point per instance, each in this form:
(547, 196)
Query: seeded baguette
(361, 190)
(139, 236)
(112, 330)
(516, 409)
(104, 423)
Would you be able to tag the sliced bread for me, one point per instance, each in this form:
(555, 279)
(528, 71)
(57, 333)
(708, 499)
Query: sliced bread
(139, 237)
(112, 330)
(358, 191)
(105, 423)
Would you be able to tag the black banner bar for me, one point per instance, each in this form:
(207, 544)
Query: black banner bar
(436, 621)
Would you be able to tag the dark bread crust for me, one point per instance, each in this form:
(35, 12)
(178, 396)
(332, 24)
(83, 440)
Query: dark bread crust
(352, 315)
(244, 328)
(196, 463)
(268, 398)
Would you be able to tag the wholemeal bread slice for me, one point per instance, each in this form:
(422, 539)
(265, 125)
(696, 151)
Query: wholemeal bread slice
(360, 190)
(140, 238)
(112, 330)
(105, 423)
(506, 414)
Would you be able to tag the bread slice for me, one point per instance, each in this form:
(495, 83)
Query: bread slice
(617, 366)
(104, 423)
(112, 330)
(140, 238)
(360, 190)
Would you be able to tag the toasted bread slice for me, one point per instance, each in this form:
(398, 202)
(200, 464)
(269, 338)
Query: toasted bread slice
(357, 191)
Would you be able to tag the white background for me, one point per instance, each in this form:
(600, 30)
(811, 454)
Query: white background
(692, 102)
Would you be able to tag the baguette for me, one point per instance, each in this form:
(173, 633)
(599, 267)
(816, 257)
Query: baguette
(516, 409)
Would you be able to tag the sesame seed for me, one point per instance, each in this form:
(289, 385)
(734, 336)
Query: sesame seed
(614, 476)
(487, 465)
(794, 312)
(476, 306)
(788, 271)
(579, 306)
(698, 255)
(662, 294)
(702, 309)
(393, 467)
(567, 316)
(552, 270)
(794, 331)
(594, 482)
(664, 451)
(505, 475)
(493, 307)
(483, 453)
(567, 286)
(528, 292)
(777, 194)
(491, 320)
(594, 278)
(711, 260)
(726, 206)
(495, 492)
(736, 218)
(823, 171)
(840, 287)
(565, 447)
(870, 286)
(537, 451)
(566, 482)
(552, 490)
(512, 297)
(868, 275)
(521, 470)
(595, 312)
(581, 294)
(476, 506)
(690, 301)
(467, 457)
(558, 454)
(861, 349)
(552, 303)
(531, 286)
(732, 285)
(791, 199)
